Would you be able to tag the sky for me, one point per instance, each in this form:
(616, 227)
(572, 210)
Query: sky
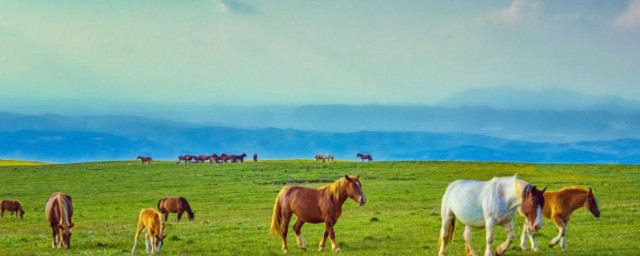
(102, 54)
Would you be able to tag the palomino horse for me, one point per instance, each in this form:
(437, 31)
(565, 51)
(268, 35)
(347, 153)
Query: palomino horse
(558, 207)
(145, 159)
(11, 206)
(59, 212)
(364, 157)
(177, 205)
(319, 158)
(486, 204)
(150, 219)
(314, 205)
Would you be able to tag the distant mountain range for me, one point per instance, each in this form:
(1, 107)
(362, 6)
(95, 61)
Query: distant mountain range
(62, 139)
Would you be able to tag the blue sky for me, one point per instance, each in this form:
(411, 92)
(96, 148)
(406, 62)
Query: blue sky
(255, 52)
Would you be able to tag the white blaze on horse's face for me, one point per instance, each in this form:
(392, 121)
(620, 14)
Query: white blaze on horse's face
(363, 199)
(537, 225)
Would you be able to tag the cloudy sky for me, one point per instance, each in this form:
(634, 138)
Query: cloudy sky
(255, 52)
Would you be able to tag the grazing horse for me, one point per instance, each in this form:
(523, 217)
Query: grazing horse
(59, 212)
(319, 157)
(486, 204)
(255, 157)
(144, 159)
(11, 206)
(184, 158)
(364, 157)
(150, 219)
(177, 205)
(558, 207)
(314, 205)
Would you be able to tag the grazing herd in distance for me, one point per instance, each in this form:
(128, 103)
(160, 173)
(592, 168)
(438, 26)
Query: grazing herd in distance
(226, 158)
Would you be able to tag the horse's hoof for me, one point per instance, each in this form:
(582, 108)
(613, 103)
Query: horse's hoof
(337, 250)
(321, 249)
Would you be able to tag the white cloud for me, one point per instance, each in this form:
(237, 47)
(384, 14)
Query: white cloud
(518, 11)
(236, 6)
(630, 17)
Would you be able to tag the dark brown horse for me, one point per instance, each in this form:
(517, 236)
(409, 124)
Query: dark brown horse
(319, 158)
(314, 205)
(364, 157)
(176, 205)
(255, 157)
(184, 159)
(59, 212)
(11, 206)
(144, 159)
(239, 158)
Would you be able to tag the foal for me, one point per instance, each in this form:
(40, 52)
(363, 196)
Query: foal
(11, 206)
(150, 219)
(559, 205)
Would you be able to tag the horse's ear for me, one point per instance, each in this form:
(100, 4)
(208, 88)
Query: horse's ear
(358, 178)
(347, 178)
(590, 190)
(543, 190)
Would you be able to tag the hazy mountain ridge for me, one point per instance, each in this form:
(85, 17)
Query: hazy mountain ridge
(126, 137)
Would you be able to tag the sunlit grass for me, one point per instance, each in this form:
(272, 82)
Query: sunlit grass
(233, 204)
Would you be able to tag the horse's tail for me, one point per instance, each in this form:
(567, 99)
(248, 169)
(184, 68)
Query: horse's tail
(276, 219)
(160, 204)
(448, 221)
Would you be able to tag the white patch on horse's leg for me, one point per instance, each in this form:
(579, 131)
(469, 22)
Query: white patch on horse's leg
(511, 234)
(534, 246)
(523, 237)
(563, 243)
(468, 245)
(147, 243)
(556, 239)
(302, 243)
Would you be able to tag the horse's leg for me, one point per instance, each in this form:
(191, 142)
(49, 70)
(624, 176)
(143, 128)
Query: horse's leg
(489, 223)
(446, 230)
(135, 239)
(511, 234)
(468, 246)
(563, 244)
(54, 233)
(180, 215)
(561, 230)
(523, 239)
(286, 215)
(324, 236)
(332, 235)
(297, 227)
(147, 241)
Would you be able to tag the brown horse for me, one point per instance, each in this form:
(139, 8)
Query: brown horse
(319, 158)
(59, 212)
(558, 207)
(329, 157)
(144, 159)
(255, 157)
(314, 205)
(11, 206)
(150, 219)
(364, 157)
(176, 205)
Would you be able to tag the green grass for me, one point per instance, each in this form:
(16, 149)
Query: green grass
(233, 204)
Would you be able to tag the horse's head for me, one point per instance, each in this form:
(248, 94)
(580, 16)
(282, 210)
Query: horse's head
(21, 213)
(354, 190)
(591, 203)
(159, 240)
(532, 204)
(66, 235)
(192, 215)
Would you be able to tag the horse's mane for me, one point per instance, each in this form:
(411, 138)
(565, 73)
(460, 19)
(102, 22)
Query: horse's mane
(334, 189)
(65, 219)
(576, 187)
(186, 204)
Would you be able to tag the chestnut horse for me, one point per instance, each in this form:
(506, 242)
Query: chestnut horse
(144, 159)
(314, 205)
(364, 157)
(176, 205)
(59, 212)
(184, 158)
(11, 206)
(558, 207)
(485, 204)
(319, 157)
(150, 219)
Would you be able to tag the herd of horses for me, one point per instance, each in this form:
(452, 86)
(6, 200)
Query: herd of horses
(225, 158)
(476, 204)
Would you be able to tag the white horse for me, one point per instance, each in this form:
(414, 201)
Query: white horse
(485, 204)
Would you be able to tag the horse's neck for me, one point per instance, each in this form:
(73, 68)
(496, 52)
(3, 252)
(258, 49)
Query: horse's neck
(574, 198)
(518, 187)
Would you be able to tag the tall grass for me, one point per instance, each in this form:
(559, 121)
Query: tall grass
(233, 204)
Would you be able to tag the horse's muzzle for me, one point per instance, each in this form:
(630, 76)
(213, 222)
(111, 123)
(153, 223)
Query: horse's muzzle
(362, 200)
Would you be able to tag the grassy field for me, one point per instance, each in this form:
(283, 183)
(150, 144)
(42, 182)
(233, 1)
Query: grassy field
(233, 204)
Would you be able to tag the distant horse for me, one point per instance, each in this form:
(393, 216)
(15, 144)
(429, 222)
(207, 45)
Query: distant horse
(144, 159)
(184, 158)
(329, 157)
(558, 207)
(176, 205)
(151, 220)
(200, 158)
(240, 158)
(59, 212)
(364, 157)
(11, 206)
(486, 204)
(214, 158)
(314, 205)
(319, 158)
(255, 157)
(226, 158)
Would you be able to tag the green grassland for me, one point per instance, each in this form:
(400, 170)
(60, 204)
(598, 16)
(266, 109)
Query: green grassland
(234, 202)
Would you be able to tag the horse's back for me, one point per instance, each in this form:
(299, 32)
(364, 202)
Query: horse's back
(471, 200)
(59, 207)
(304, 202)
